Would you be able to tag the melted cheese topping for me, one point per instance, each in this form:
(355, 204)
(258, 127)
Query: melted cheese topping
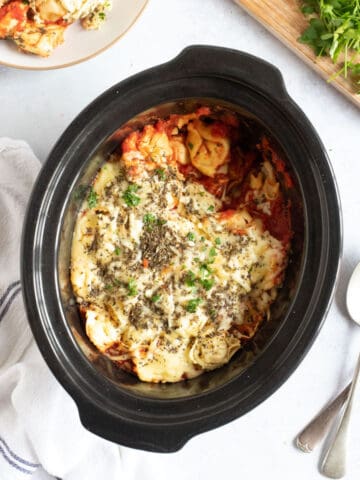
(37, 26)
(69, 10)
(163, 277)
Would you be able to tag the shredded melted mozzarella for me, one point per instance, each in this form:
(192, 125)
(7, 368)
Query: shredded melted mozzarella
(163, 278)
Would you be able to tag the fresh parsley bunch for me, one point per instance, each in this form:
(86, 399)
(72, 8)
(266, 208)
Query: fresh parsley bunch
(334, 29)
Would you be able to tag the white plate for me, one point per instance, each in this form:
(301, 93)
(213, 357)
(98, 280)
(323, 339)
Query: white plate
(80, 44)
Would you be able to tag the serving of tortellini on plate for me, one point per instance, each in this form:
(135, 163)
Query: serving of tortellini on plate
(38, 26)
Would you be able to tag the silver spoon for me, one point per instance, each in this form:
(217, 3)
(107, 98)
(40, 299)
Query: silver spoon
(315, 431)
(334, 464)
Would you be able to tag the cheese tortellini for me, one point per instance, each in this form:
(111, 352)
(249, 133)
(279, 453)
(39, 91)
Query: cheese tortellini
(37, 26)
(208, 148)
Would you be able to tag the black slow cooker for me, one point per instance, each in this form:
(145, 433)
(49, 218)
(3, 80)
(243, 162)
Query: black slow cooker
(111, 402)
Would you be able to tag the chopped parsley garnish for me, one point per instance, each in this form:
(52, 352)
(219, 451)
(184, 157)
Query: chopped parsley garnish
(117, 251)
(191, 236)
(212, 313)
(129, 196)
(149, 219)
(207, 283)
(211, 208)
(132, 288)
(160, 172)
(190, 278)
(202, 239)
(192, 305)
(190, 145)
(155, 298)
(205, 270)
(108, 286)
(212, 254)
(217, 241)
(92, 198)
(202, 278)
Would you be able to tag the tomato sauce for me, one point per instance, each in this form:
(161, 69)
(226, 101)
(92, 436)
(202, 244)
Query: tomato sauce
(215, 185)
(8, 13)
(279, 223)
(220, 130)
(16, 9)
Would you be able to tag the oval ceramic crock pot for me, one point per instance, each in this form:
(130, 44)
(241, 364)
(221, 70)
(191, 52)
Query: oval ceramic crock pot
(111, 402)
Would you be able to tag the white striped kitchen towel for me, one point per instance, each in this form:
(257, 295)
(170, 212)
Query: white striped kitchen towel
(40, 428)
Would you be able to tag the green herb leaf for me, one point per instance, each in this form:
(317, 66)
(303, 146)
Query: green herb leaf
(334, 30)
(155, 298)
(117, 251)
(190, 278)
(149, 219)
(92, 198)
(212, 254)
(207, 283)
(160, 172)
(212, 313)
(129, 196)
(217, 241)
(307, 9)
(211, 208)
(190, 236)
(132, 288)
(192, 305)
(190, 145)
(205, 270)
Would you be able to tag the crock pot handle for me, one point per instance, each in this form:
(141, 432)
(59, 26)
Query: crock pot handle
(243, 67)
(139, 435)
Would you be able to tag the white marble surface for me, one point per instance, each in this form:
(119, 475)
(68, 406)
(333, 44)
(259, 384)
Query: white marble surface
(37, 106)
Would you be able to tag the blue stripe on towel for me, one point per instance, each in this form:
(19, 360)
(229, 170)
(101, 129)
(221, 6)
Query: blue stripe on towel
(13, 464)
(11, 458)
(16, 457)
(8, 304)
(6, 293)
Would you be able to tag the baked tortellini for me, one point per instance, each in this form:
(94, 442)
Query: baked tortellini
(37, 26)
(174, 268)
(209, 149)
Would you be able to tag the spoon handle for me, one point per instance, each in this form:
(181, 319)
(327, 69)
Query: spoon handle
(334, 464)
(315, 431)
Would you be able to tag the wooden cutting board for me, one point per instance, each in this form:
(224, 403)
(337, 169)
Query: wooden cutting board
(285, 20)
